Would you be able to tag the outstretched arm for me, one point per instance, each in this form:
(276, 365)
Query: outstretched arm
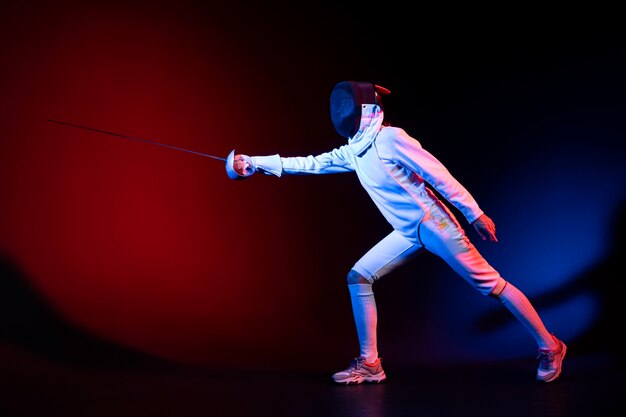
(333, 162)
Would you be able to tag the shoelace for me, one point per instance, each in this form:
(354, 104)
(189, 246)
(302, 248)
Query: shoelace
(354, 365)
(545, 358)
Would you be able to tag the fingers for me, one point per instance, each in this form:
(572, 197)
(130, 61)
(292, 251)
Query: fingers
(491, 227)
(243, 165)
(486, 229)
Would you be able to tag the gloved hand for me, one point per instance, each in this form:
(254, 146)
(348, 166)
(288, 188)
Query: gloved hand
(485, 228)
(243, 165)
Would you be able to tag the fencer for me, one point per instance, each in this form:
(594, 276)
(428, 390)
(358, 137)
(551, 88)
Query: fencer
(400, 175)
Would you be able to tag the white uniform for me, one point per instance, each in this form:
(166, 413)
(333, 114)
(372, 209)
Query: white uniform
(397, 172)
(394, 169)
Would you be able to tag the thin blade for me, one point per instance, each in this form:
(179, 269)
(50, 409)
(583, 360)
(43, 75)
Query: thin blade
(106, 132)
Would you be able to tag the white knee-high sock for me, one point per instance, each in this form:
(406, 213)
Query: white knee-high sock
(522, 309)
(365, 318)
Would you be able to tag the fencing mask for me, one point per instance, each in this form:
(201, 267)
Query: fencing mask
(346, 101)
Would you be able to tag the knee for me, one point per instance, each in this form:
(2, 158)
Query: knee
(356, 278)
(498, 288)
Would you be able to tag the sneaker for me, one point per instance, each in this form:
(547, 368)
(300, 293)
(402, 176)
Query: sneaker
(550, 361)
(361, 371)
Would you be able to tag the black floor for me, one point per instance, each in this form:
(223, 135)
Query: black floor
(33, 385)
(49, 367)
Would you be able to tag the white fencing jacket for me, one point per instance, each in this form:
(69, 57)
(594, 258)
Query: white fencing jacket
(392, 167)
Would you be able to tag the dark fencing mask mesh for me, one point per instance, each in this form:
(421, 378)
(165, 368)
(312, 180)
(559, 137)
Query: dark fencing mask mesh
(346, 100)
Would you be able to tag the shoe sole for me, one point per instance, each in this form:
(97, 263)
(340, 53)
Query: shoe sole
(370, 380)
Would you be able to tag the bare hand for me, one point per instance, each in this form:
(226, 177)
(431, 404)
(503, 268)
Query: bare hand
(485, 228)
(242, 164)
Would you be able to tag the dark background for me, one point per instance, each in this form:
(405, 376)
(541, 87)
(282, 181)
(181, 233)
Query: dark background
(112, 250)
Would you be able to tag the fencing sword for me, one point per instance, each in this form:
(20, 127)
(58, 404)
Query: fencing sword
(229, 160)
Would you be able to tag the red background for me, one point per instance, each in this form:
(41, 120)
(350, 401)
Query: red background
(158, 251)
